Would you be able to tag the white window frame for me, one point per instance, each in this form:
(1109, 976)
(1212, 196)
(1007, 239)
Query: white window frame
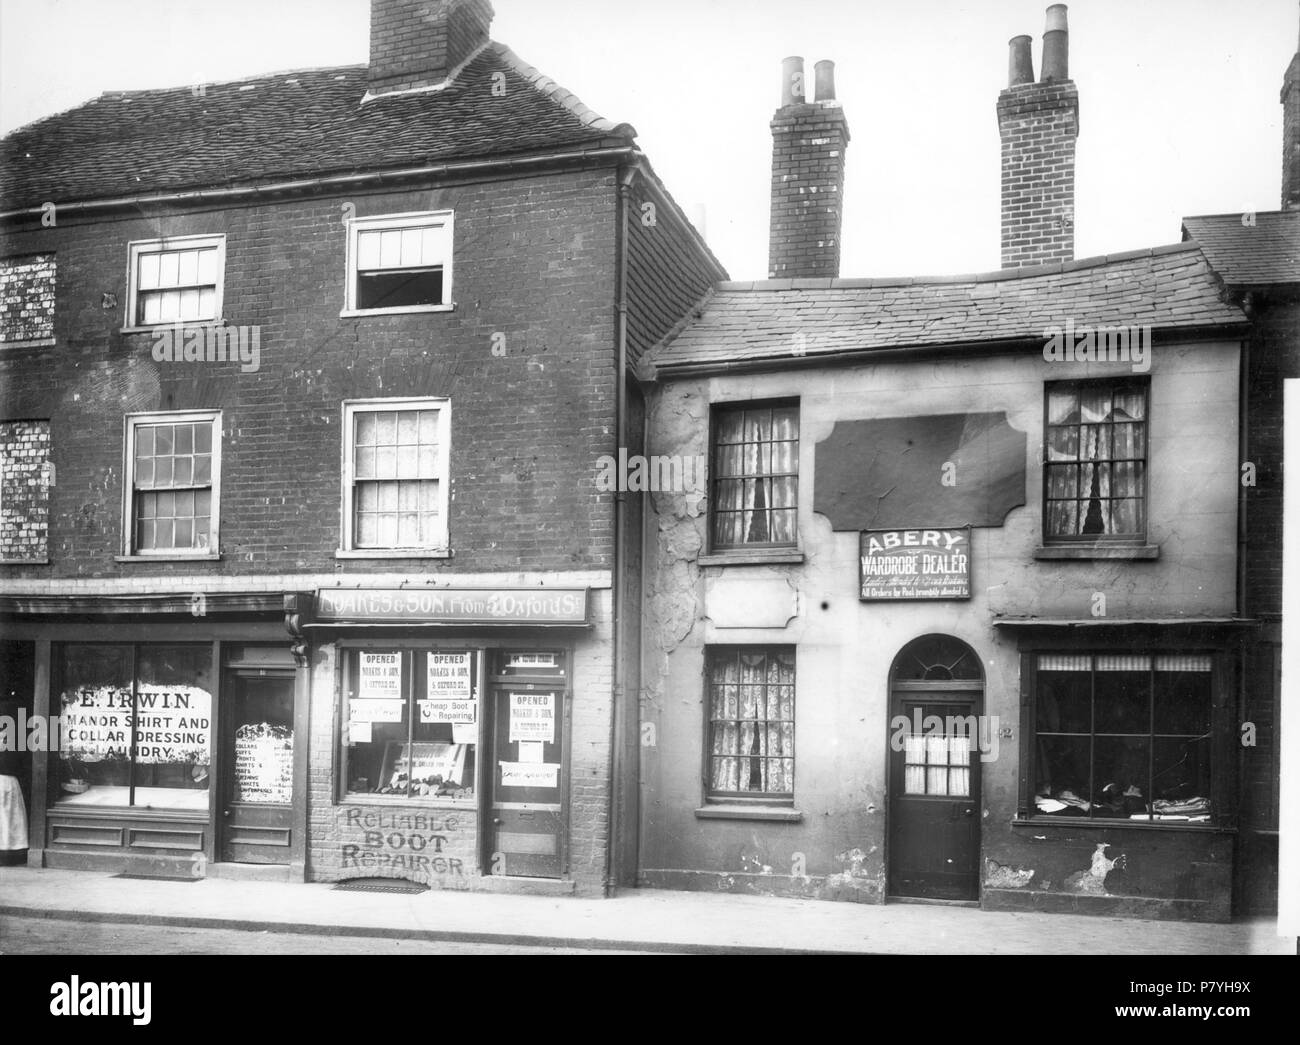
(148, 246)
(130, 424)
(441, 547)
(417, 219)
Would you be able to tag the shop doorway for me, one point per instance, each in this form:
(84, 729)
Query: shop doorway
(936, 704)
(525, 834)
(257, 766)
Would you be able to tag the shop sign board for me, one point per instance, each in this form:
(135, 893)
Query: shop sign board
(915, 564)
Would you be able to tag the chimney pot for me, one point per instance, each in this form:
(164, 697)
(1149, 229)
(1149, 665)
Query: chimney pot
(1022, 61)
(793, 91)
(825, 70)
(1056, 45)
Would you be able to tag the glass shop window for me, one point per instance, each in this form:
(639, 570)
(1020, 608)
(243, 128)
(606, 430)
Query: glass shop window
(1124, 736)
(136, 725)
(410, 723)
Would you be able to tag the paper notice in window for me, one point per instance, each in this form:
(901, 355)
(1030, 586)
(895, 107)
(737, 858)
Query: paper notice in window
(359, 732)
(379, 675)
(522, 774)
(447, 709)
(375, 711)
(532, 717)
(531, 751)
(464, 733)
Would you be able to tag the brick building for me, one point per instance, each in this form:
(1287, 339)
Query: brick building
(963, 616)
(305, 381)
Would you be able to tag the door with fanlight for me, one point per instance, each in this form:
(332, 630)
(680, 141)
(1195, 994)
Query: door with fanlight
(934, 777)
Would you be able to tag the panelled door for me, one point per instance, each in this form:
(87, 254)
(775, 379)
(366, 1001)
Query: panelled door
(257, 766)
(526, 830)
(936, 701)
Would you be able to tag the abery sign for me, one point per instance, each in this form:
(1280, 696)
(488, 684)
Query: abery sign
(915, 564)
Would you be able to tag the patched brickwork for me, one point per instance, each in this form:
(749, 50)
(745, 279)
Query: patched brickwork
(24, 490)
(808, 143)
(1038, 123)
(27, 298)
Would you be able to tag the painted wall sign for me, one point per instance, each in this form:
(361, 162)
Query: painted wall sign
(379, 676)
(914, 564)
(524, 774)
(454, 606)
(449, 675)
(532, 717)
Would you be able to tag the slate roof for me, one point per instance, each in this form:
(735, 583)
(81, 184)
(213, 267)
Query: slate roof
(289, 125)
(1165, 288)
(1250, 255)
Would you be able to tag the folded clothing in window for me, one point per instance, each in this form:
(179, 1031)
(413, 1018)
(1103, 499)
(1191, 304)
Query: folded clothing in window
(1048, 805)
(1187, 807)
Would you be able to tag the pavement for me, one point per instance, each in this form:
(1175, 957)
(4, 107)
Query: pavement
(634, 920)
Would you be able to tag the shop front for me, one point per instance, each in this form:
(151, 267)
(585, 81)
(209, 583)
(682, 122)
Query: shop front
(165, 746)
(454, 737)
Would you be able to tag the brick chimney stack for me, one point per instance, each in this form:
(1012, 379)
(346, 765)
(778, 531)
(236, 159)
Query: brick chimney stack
(808, 143)
(1291, 135)
(419, 43)
(1038, 123)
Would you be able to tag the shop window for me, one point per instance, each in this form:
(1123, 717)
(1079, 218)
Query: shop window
(399, 263)
(1124, 736)
(1094, 472)
(755, 475)
(410, 723)
(173, 464)
(177, 280)
(136, 726)
(750, 738)
(395, 486)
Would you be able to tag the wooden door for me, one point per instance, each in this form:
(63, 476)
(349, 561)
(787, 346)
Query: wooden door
(257, 767)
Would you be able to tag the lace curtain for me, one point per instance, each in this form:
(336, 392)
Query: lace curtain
(751, 708)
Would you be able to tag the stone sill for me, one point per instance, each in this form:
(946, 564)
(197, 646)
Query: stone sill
(753, 557)
(393, 553)
(412, 310)
(24, 562)
(212, 557)
(732, 812)
(1098, 551)
(39, 342)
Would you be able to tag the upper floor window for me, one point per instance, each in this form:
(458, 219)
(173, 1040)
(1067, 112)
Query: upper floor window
(755, 475)
(395, 483)
(400, 263)
(27, 299)
(176, 280)
(1095, 481)
(173, 464)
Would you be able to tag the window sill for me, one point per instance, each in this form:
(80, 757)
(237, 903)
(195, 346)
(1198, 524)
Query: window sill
(1097, 551)
(24, 562)
(401, 802)
(739, 812)
(413, 310)
(184, 324)
(393, 553)
(39, 342)
(1121, 825)
(209, 557)
(753, 557)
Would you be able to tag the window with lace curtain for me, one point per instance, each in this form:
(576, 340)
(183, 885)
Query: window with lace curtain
(755, 475)
(1094, 470)
(750, 741)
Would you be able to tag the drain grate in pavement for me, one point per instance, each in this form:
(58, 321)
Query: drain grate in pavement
(157, 877)
(381, 885)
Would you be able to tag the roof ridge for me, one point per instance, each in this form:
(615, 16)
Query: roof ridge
(560, 95)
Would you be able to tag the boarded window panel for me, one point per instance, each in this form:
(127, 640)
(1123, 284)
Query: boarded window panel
(368, 250)
(149, 271)
(390, 248)
(208, 266)
(169, 268)
(188, 273)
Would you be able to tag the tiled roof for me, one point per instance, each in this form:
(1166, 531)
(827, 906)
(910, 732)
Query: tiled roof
(1164, 288)
(1250, 249)
(289, 125)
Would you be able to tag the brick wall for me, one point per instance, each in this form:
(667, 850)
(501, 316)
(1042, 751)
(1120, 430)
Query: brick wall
(416, 43)
(527, 359)
(1038, 123)
(1291, 136)
(24, 490)
(808, 143)
(27, 298)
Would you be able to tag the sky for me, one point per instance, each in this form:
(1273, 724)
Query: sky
(1179, 109)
